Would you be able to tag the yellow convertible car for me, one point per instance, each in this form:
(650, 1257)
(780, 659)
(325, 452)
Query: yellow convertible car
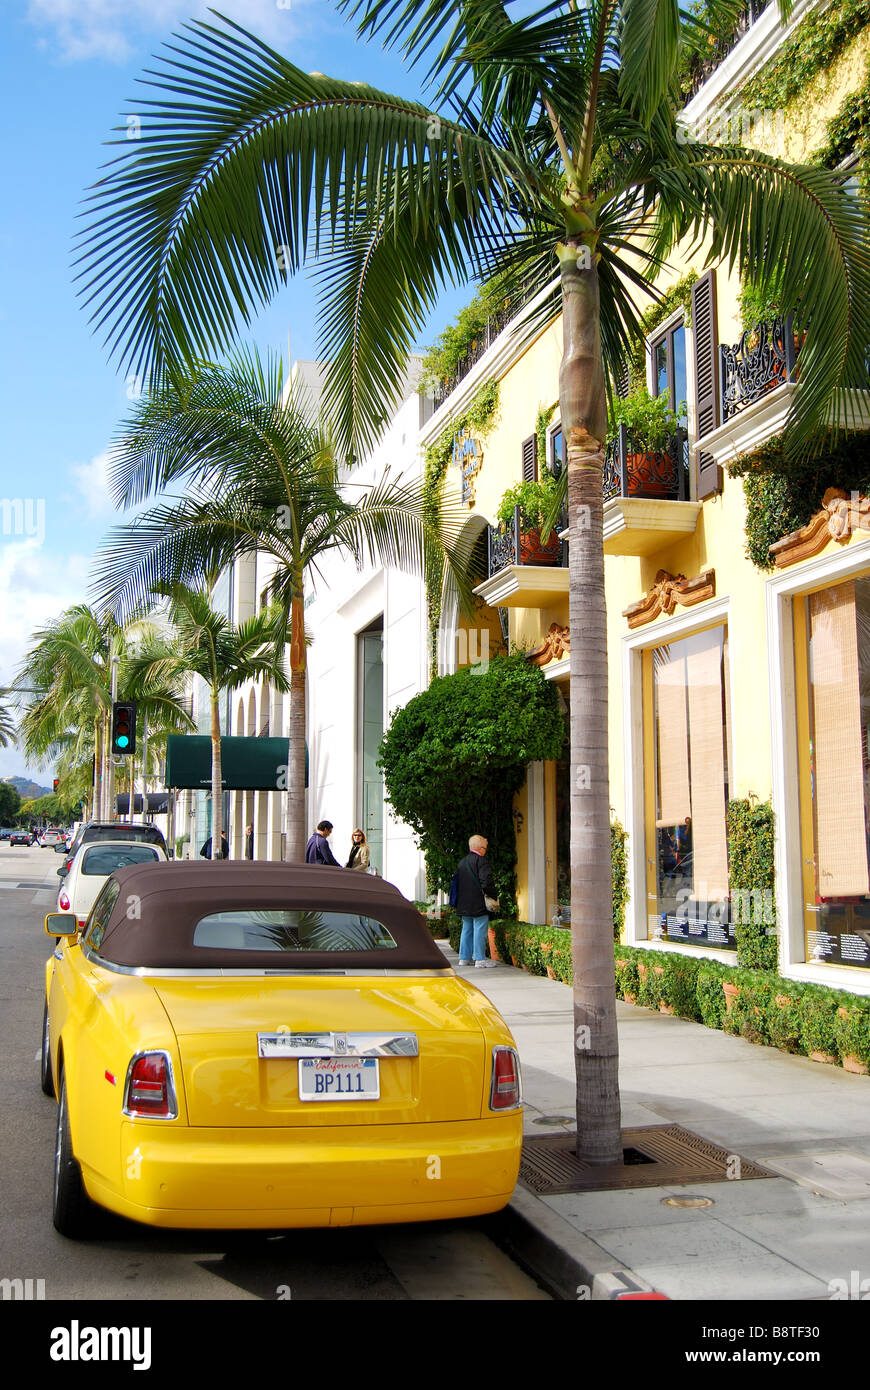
(270, 1045)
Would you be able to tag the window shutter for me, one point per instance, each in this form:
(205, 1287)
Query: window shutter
(530, 459)
(705, 333)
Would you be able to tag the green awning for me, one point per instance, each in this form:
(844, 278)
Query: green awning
(247, 764)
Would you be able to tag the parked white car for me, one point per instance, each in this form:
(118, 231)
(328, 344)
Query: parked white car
(91, 867)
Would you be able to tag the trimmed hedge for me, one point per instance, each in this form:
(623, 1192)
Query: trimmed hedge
(793, 1016)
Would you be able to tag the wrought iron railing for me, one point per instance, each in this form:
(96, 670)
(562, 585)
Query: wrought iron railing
(479, 346)
(506, 545)
(632, 470)
(764, 358)
(702, 67)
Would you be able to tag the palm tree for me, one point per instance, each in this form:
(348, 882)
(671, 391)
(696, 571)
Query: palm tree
(207, 644)
(7, 721)
(68, 674)
(552, 149)
(259, 477)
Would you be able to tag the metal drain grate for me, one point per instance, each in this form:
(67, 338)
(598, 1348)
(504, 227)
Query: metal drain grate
(656, 1156)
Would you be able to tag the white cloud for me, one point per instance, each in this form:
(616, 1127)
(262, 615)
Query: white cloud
(114, 29)
(92, 484)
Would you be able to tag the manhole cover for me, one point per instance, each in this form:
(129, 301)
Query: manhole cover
(691, 1202)
(554, 1120)
(654, 1156)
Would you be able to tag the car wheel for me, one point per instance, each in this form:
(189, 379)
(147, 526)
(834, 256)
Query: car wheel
(45, 1077)
(72, 1212)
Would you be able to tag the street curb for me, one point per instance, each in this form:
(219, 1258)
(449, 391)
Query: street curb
(568, 1263)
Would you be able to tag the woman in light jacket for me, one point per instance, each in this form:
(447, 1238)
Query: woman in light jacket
(360, 857)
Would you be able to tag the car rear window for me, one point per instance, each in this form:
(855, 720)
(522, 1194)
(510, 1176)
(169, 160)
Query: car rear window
(291, 931)
(105, 859)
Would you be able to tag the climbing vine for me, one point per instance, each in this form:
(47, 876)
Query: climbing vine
(479, 417)
(814, 45)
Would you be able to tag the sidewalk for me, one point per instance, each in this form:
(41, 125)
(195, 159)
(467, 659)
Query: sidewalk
(775, 1238)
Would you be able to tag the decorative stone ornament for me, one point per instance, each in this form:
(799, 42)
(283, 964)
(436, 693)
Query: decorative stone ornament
(554, 646)
(841, 515)
(667, 591)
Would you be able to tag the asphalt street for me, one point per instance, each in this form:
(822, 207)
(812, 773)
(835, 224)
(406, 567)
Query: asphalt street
(439, 1260)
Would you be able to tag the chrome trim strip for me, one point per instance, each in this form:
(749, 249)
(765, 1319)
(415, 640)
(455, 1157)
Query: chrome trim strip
(171, 1095)
(215, 972)
(337, 1045)
(505, 1109)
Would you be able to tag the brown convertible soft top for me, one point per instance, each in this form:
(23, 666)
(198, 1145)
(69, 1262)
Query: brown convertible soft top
(153, 920)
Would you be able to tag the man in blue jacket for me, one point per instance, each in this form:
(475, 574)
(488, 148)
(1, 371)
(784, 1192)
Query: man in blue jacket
(474, 885)
(317, 850)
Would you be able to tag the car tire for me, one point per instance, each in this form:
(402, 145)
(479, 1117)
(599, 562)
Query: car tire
(72, 1211)
(46, 1080)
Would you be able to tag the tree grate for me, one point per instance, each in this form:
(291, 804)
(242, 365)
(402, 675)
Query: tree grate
(653, 1156)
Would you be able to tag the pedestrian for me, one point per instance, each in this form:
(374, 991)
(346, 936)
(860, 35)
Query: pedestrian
(249, 842)
(317, 850)
(205, 852)
(360, 855)
(475, 898)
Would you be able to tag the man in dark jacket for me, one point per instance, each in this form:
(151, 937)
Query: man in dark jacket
(475, 884)
(205, 852)
(317, 850)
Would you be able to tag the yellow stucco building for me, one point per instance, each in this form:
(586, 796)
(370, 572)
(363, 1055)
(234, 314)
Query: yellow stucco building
(726, 680)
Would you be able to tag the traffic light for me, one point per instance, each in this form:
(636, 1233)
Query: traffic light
(124, 727)
(56, 783)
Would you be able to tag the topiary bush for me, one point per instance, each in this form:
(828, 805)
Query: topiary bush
(818, 1024)
(619, 874)
(455, 756)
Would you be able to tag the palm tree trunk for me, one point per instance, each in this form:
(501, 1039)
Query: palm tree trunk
(584, 420)
(217, 795)
(295, 847)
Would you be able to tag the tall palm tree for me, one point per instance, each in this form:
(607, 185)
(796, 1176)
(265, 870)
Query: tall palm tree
(68, 674)
(551, 150)
(207, 644)
(259, 477)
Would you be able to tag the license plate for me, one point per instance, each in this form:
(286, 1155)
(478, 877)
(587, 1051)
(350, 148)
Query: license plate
(339, 1078)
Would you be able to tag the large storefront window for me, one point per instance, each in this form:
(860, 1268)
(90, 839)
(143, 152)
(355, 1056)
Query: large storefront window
(832, 654)
(686, 700)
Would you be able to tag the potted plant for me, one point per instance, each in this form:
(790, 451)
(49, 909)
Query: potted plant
(650, 424)
(535, 502)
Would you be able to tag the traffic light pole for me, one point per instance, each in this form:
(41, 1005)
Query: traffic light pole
(110, 766)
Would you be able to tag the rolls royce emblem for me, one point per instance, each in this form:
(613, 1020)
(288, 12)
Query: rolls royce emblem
(339, 1041)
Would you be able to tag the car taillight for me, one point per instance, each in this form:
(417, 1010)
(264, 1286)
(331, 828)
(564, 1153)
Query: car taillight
(63, 902)
(149, 1091)
(505, 1092)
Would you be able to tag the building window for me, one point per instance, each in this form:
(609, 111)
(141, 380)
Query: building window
(370, 716)
(668, 353)
(687, 780)
(558, 457)
(832, 670)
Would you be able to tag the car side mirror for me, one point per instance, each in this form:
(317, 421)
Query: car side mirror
(61, 873)
(61, 924)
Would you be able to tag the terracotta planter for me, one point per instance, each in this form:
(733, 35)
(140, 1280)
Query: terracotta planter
(822, 1057)
(551, 974)
(534, 552)
(650, 473)
(665, 1008)
(493, 949)
(629, 998)
(658, 970)
(515, 963)
(854, 1064)
(641, 970)
(731, 992)
(782, 1000)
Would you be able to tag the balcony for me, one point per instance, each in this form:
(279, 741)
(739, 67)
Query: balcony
(764, 358)
(521, 572)
(646, 495)
(702, 68)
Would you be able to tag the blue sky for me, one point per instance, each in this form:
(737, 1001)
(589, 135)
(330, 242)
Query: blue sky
(68, 69)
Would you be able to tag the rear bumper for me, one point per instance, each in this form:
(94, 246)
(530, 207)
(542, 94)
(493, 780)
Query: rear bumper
(200, 1178)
